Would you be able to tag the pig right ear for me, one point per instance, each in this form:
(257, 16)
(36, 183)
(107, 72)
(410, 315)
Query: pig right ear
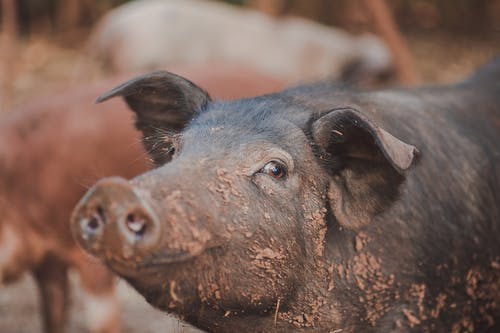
(163, 104)
(367, 165)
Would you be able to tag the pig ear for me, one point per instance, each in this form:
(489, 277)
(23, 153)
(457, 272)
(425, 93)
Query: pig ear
(367, 164)
(163, 104)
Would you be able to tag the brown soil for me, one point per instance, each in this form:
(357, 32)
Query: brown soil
(19, 311)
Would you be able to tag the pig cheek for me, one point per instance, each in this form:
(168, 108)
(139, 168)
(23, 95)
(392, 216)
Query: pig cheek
(264, 184)
(264, 259)
(253, 280)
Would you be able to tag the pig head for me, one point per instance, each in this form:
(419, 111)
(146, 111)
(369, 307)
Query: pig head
(229, 230)
(51, 150)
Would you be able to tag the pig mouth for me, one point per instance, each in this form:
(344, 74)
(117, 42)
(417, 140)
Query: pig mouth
(154, 261)
(170, 258)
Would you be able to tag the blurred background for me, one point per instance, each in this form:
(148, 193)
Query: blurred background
(46, 44)
(50, 46)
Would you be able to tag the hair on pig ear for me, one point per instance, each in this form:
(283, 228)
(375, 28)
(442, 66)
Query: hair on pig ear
(163, 103)
(371, 165)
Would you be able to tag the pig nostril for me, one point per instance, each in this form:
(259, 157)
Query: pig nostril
(96, 220)
(136, 224)
(93, 223)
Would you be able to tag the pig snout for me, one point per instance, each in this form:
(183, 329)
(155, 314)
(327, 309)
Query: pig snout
(112, 217)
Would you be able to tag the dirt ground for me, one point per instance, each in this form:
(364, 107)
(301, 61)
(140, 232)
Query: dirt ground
(19, 311)
(44, 68)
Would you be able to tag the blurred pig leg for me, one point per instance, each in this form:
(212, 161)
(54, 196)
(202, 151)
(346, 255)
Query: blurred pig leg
(52, 279)
(100, 304)
(10, 244)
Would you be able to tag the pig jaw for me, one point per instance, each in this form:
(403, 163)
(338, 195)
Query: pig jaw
(210, 304)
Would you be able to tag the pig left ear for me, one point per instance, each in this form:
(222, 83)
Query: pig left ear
(367, 164)
(163, 104)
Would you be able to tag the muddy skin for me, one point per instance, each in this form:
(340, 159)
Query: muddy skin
(320, 208)
(51, 151)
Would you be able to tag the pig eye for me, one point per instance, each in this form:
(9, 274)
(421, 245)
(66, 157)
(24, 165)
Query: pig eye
(275, 169)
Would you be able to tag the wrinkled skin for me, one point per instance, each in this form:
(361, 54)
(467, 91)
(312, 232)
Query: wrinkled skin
(299, 211)
(51, 152)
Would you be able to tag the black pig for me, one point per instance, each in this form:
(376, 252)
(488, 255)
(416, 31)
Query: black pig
(317, 209)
